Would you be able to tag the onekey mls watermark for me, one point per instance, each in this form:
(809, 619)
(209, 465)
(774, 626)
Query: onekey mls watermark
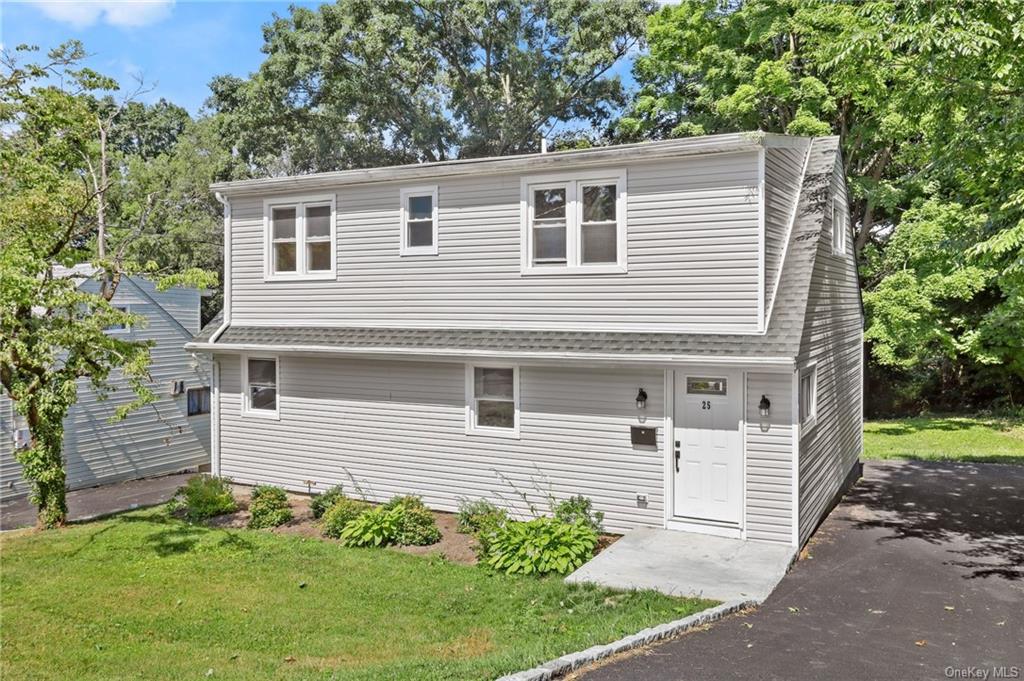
(983, 673)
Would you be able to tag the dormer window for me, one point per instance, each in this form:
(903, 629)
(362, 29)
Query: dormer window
(574, 224)
(301, 238)
(419, 221)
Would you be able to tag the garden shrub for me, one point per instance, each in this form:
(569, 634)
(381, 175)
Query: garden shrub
(476, 516)
(268, 507)
(540, 546)
(322, 502)
(340, 514)
(580, 509)
(418, 527)
(206, 496)
(408, 502)
(377, 527)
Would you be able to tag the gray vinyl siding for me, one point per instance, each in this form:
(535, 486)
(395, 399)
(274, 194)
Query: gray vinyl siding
(783, 171)
(769, 453)
(398, 427)
(158, 438)
(693, 261)
(832, 340)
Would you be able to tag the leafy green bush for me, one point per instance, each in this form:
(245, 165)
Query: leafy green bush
(268, 507)
(408, 502)
(322, 502)
(340, 514)
(478, 515)
(540, 546)
(377, 527)
(580, 509)
(418, 527)
(206, 496)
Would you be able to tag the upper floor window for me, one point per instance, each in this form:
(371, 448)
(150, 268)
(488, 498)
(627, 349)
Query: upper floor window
(120, 328)
(808, 399)
(300, 238)
(839, 225)
(574, 224)
(419, 221)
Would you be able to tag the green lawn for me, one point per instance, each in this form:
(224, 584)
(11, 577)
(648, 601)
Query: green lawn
(146, 596)
(953, 438)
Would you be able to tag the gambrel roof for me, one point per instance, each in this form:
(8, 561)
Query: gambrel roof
(780, 343)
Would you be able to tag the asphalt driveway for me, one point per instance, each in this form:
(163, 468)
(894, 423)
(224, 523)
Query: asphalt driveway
(918, 574)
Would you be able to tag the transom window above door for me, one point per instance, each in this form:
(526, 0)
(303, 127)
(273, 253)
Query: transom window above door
(574, 225)
(300, 238)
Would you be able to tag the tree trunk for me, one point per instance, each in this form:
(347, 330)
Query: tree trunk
(43, 467)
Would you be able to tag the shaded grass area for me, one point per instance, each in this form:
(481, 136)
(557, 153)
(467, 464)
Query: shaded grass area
(145, 595)
(946, 438)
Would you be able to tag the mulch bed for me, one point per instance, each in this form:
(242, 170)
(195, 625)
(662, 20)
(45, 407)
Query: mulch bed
(454, 546)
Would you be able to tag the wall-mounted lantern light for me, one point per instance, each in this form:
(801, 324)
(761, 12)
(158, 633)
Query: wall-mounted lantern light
(641, 399)
(764, 406)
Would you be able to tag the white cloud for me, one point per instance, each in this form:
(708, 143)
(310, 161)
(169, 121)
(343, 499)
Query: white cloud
(121, 13)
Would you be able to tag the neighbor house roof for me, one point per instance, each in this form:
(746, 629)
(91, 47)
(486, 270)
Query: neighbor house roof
(780, 342)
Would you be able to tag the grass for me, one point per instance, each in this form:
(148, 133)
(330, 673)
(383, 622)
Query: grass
(144, 595)
(946, 438)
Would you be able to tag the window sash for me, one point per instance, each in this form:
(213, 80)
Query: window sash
(424, 224)
(261, 387)
(300, 241)
(574, 224)
(493, 399)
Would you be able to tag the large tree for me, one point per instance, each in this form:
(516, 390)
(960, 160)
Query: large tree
(928, 100)
(366, 82)
(58, 171)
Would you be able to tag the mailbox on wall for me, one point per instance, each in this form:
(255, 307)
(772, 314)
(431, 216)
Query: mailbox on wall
(643, 435)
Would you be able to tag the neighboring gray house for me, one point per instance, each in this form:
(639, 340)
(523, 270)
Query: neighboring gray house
(612, 322)
(168, 435)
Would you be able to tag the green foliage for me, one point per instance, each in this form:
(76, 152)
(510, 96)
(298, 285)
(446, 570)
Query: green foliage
(364, 83)
(268, 507)
(418, 527)
(321, 502)
(479, 515)
(377, 527)
(947, 438)
(342, 512)
(407, 502)
(206, 496)
(540, 546)
(580, 509)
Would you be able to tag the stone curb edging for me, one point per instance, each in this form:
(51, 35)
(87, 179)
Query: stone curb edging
(567, 663)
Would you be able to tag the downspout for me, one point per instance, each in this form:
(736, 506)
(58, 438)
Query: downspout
(226, 309)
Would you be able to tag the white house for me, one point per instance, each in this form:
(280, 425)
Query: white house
(168, 435)
(671, 328)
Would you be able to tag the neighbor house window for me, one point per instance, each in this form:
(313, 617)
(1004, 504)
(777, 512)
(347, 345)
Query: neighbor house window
(838, 227)
(574, 224)
(493, 405)
(260, 380)
(120, 328)
(808, 395)
(419, 221)
(198, 401)
(300, 238)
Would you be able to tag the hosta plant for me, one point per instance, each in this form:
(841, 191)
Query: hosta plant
(540, 546)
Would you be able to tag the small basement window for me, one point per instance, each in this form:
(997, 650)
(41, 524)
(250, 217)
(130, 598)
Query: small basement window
(260, 378)
(198, 401)
(301, 238)
(808, 396)
(493, 405)
(419, 221)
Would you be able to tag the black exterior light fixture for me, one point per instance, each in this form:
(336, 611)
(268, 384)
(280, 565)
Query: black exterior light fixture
(641, 399)
(764, 406)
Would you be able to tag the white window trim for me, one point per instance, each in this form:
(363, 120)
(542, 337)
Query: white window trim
(300, 203)
(838, 220)
(574, 215)
(811, 418)
(471, 427)
(260, 413)
(406, 194)
(127, 328)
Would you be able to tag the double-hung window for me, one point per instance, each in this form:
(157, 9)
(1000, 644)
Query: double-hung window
(260, 380)
(301, 238)
(574, 224)
(492, 405)
(419, 221)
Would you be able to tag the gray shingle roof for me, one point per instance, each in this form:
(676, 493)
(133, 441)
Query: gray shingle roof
(781, 340)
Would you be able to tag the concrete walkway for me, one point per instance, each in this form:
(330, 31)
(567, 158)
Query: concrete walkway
(689, 564)
(92, 502)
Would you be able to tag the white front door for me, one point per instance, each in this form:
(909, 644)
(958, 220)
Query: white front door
(707, 456)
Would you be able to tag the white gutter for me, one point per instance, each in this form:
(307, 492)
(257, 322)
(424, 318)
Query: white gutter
(227, 268)
(458, 354)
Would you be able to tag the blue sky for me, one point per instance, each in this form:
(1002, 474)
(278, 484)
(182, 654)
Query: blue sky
(176, 46)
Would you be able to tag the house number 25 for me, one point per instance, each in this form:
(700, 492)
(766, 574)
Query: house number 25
(705, 404)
